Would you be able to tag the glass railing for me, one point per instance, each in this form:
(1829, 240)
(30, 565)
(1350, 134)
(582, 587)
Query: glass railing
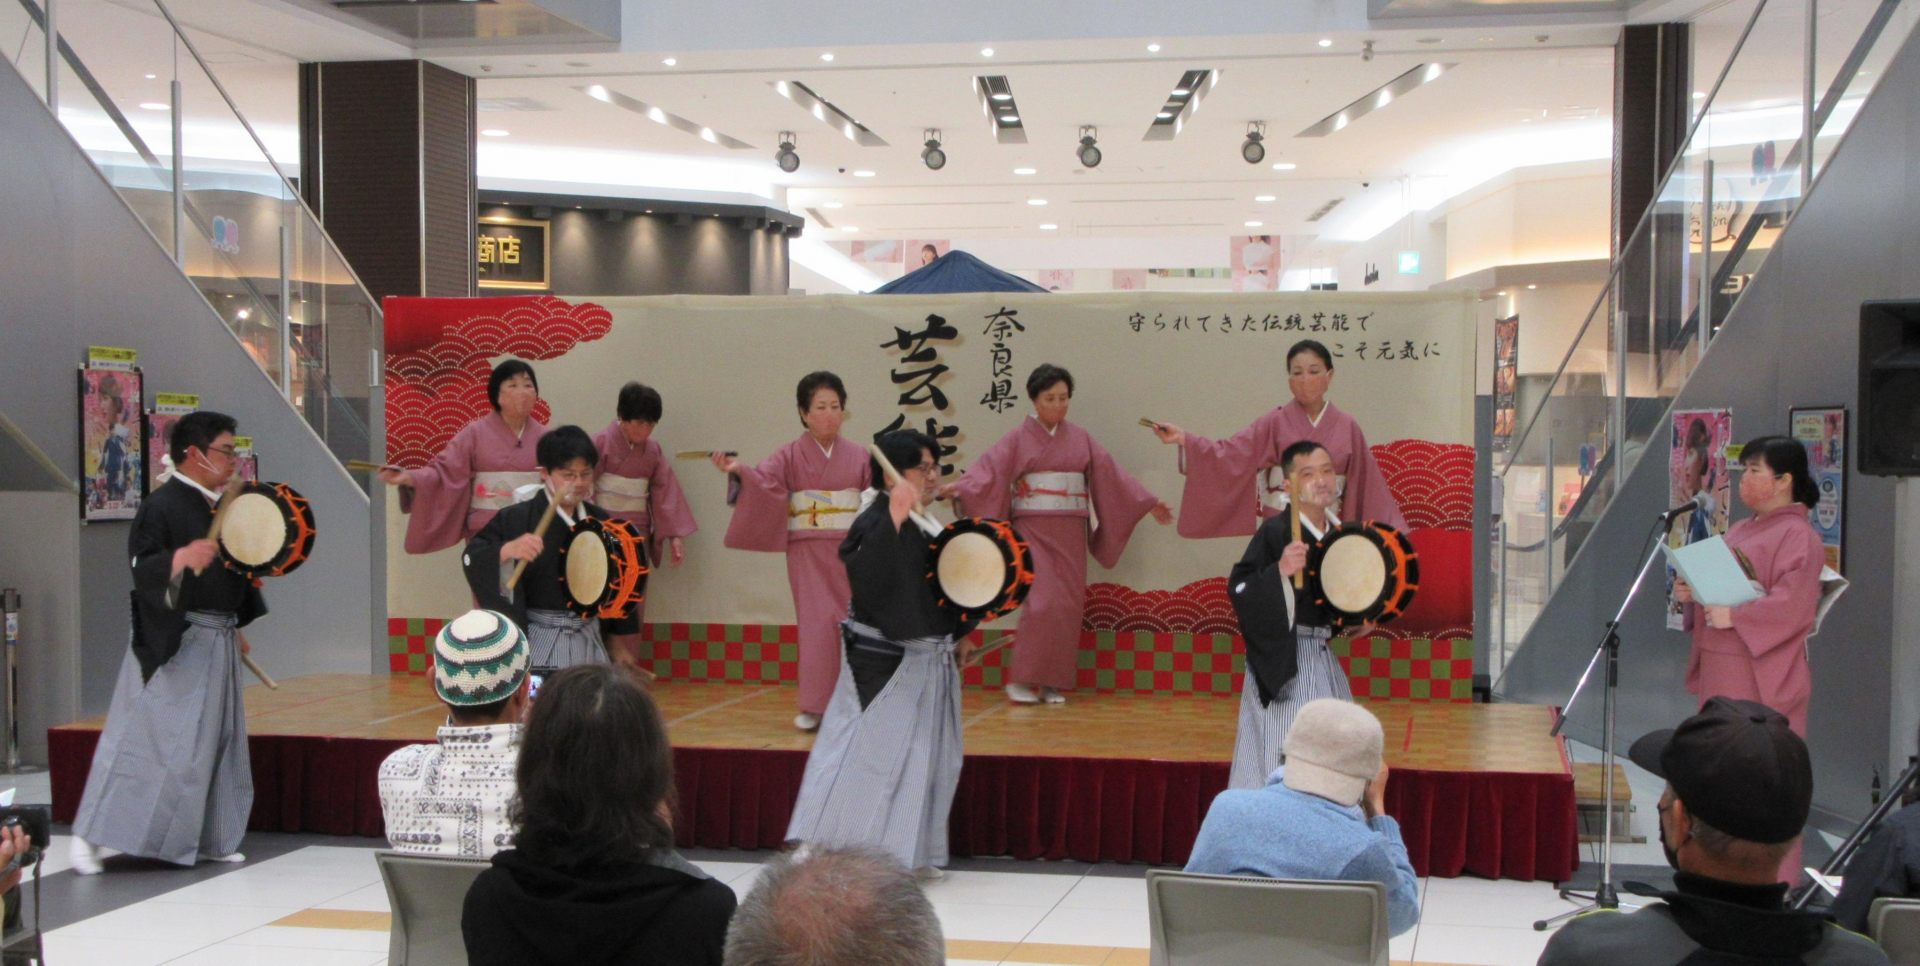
(1795, 74)
(164, 132)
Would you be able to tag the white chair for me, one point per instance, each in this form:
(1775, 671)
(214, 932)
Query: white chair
(1895, 925)
(1231, 920)
(426, 893)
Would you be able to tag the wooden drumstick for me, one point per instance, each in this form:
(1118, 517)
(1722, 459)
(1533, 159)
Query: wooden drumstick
(702, 454)
(259, 672)
(539, 530)
(981, 654)
(1293, 511)
(363, 466)
(893, 479)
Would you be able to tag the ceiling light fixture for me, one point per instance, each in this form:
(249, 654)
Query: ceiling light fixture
(1037, 202)
(1263, 199)
(1049, 226)
(1284, 166)
(153, 106)
(1182, 101)
(494, 132)
(1089, 151)
(1394, 90)
(1153, 48)
(931, 155)
(863, 173)
(827, 57)
(1026, 171)
(671, 61)
(786, 157)
(153, 76)
(986, 51)
(1252, 224)
(1251, 150)
(1001, 111)
(1326, 41)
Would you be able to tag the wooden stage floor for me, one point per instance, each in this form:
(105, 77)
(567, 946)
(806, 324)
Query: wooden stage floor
(1443, 737)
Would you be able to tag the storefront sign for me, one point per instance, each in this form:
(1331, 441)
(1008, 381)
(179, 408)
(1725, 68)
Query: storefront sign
(513, 253)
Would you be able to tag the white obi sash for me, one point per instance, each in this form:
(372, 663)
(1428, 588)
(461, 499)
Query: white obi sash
(494, 491)
(621, 494)
(1050, 491)
(1273, 488)
(822, 509)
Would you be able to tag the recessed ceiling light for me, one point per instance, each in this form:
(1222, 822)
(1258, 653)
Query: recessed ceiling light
(152, 106)
(1164, 114)
(1532, 287)
(1003, 96)
(153, 76)
(1500, 293)
(1026, 171)
(1181, 92)
(827, 57)
(1326, 41)
(1263, 198)
(1037, 202)
(494, 132)
(986, 51)
(1252, 224)
(1049, 227)
(1010, 118)
(1153, 48)
(863, 173)
(1699, 95)
(1284, 166)
(671, 61)
(832, 204)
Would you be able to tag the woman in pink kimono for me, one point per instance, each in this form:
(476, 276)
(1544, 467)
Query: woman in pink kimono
(800, 501)
(1065, 495)
(635, 483)
(1757, 651)
(448, 500)
(1232, 484)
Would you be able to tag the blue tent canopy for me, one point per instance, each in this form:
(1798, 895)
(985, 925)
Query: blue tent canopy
(956, 271)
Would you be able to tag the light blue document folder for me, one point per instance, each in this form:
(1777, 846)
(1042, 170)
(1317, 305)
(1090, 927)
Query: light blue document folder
(1716, 575)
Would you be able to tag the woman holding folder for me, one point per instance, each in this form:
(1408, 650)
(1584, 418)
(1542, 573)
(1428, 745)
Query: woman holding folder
(1757, 651)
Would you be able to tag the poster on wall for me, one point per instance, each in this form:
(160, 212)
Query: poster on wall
(1823, 431)
(168, 407)
(1697, 472)
(1256, 263)
(1129, 279)
(920, 252)
(1055, 279)
(1506, 370)
(246, 463)
(111, 443)
(513, 253)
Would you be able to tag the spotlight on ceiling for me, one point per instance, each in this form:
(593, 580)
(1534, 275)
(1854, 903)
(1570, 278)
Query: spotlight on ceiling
(1089, 152)
(931, 155)
(786, 158)
(1251, 150)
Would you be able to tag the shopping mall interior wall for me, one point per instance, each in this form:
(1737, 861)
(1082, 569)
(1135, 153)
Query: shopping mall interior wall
(653, 255)
(1791, 341)
(88, 273)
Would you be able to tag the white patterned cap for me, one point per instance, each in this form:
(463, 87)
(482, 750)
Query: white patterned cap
(479, 658)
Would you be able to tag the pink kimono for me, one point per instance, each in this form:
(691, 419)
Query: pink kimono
(638, 485)
(1763, 657)
(801, 500)
(1045, 483)
(471, 480)
(1231, 488)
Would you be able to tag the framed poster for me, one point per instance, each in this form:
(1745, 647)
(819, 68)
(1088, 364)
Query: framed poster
(514, 253)
(167, 409)
(1506, 370)
(1823, 431)
(1697, 471)
(246, 462)
(112, 444)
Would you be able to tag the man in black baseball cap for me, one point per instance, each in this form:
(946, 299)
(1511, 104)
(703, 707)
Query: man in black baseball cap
(1739, 786)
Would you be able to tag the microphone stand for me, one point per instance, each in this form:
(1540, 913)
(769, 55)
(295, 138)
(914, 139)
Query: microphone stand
(1604, 895)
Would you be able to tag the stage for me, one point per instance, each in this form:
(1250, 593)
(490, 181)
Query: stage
(1479, 789)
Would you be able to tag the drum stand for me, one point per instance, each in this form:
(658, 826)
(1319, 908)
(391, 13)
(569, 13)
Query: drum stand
(1604, 896)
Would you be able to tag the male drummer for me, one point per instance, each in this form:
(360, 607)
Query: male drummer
(170, 778)
(557, 637)
(1288, 660)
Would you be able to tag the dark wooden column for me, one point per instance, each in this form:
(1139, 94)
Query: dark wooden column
(387, 160)
(1652, 94)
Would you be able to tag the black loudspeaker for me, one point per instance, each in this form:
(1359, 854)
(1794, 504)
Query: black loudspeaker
(1889, 436)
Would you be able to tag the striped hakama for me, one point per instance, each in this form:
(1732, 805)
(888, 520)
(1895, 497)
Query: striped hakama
(561, 638)
(170, 778)
(1262, 733)
(884, 776)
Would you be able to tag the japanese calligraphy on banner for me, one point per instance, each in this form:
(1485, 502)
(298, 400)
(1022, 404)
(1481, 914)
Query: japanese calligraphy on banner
(956, 366)
(513, 253)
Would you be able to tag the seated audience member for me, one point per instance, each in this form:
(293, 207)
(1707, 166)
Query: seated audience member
(835, 906)
(593, 877)
(1887, 865)
(450, 798)
(1739, 785)
(1322, 814)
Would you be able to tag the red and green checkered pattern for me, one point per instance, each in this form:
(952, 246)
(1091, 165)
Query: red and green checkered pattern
(1111, 662)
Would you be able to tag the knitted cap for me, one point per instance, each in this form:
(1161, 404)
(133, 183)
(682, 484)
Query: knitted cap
(479, 658)
(1333, 750)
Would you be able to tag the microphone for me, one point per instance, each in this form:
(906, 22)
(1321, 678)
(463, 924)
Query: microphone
(1699, 502)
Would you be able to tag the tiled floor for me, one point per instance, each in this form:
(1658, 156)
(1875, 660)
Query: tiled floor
(316, 901)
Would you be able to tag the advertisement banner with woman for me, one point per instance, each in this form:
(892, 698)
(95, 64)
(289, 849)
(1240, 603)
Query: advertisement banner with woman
(1697, 473)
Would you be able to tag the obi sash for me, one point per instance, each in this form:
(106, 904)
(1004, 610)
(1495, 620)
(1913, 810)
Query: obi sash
(494, 490)
(1051, 491)
(621, 494)
(822, 509)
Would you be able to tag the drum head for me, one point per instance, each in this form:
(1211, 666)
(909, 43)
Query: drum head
(1352, 573)
(254, 530)
(586, 568)
(971, 570)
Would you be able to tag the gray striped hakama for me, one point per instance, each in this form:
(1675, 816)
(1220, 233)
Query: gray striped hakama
(561, 638)
(1262, 734)
(170, 777)
(885, 776)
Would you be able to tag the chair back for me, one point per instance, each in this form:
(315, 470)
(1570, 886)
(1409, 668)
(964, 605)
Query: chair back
(1231, 920)
(1895, 925)
(426, 894)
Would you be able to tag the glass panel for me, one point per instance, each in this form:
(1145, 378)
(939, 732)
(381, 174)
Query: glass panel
(1848, 66)
(24, 45)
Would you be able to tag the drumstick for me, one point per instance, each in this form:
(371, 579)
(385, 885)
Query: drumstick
(981, 654)
(363, 466)
(247, 659)
(893, 479)
(1293, 511)
(702, 454)
(539, 530)
(1150, 424)
(234, 483)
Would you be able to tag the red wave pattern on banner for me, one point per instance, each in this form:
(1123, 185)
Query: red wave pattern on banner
(1432, 482)
(438, 384)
